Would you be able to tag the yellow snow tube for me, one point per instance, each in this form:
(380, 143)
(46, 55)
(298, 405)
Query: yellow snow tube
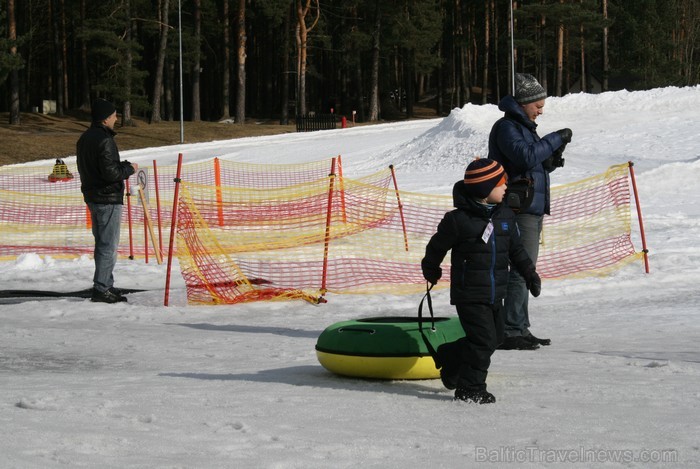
(385, 347)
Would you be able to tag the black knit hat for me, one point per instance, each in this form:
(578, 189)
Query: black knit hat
(101, 110)
(481, 176)
(527, 89)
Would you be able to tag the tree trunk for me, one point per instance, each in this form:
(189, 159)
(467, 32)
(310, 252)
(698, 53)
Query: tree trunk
(374, 109)
(169, 88)
(126, 114)
(409, 77)
(496, 50)
(160, 65)
(14, 75)
(284, 114)
(240, 88)
(84, 70)
(303, 8)
(487, 52)
(60, 105)
(606, 62)
(64, 56)
(196, 66)
(226, 72)
(584, 80)
(560, 56)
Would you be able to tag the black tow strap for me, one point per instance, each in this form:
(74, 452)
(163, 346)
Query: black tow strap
(431, 349)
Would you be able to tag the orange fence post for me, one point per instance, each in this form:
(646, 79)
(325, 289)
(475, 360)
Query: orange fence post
(398, 199)
(342, 190)
(219, 196)
(327, 240)
(173, 223)
(639, 217)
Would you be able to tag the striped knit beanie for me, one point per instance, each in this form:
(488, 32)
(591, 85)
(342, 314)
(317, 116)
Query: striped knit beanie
(528, 89)
(482, 175)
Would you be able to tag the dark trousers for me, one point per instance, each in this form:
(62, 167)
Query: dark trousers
(483, 327)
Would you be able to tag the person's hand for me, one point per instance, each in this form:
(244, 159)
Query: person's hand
(432, 275)
(533, 282)
(565, 135)
(135, 166)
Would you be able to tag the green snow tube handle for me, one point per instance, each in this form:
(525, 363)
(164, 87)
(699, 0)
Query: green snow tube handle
(356, 329)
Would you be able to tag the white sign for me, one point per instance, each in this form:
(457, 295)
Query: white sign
(142, 182)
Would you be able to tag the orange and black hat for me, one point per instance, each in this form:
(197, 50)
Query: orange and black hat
(482, 175)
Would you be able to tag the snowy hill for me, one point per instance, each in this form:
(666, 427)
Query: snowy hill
(142, 385)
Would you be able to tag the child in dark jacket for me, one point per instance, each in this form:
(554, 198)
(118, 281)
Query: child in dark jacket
(484, 240)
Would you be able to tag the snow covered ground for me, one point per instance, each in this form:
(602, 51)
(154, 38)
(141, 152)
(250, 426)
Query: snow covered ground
(143, 385)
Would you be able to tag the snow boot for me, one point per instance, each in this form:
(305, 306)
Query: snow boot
(106, 296)
(536, 340)
(474, 396)
(518, 342)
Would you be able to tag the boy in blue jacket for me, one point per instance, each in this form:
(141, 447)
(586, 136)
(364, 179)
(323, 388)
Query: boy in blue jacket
(484, 239)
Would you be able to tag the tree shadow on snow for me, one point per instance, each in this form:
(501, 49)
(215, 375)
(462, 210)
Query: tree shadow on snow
(318, 377)
(285, 331)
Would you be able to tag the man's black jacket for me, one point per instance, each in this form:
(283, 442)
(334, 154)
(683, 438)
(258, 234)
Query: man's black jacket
(102, 174)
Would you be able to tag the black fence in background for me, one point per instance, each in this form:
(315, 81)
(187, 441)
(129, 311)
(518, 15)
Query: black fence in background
(311, 122)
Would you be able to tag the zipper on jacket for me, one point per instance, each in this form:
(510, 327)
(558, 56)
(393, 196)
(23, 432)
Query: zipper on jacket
(493, 265)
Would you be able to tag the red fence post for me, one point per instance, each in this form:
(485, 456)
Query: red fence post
(173, 225)
(160, 231)
(128, 217)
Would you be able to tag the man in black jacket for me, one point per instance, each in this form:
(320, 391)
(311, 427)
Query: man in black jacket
(102, 176)
(484, 240)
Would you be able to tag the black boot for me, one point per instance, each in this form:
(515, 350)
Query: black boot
(535, 340)
(474, 396)
(518, 342)
(106, 296)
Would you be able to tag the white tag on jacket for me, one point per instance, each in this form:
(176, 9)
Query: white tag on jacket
(487, 232)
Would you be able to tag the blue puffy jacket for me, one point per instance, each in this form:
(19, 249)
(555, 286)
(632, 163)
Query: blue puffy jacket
(514, 143)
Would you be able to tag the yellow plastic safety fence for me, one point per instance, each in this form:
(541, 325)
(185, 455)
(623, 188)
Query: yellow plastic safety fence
(252, 231)
(589, 230)
(364, 236)
(42, 209)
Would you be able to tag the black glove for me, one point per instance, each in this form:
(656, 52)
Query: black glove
(556, 160)
(533, 282)
(565, 135)
(432, 275)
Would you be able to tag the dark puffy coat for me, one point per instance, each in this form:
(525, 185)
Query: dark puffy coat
(102, 174)
(479, 270)
(514, 143)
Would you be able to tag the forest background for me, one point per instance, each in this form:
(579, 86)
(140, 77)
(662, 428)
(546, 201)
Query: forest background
(367, 60)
